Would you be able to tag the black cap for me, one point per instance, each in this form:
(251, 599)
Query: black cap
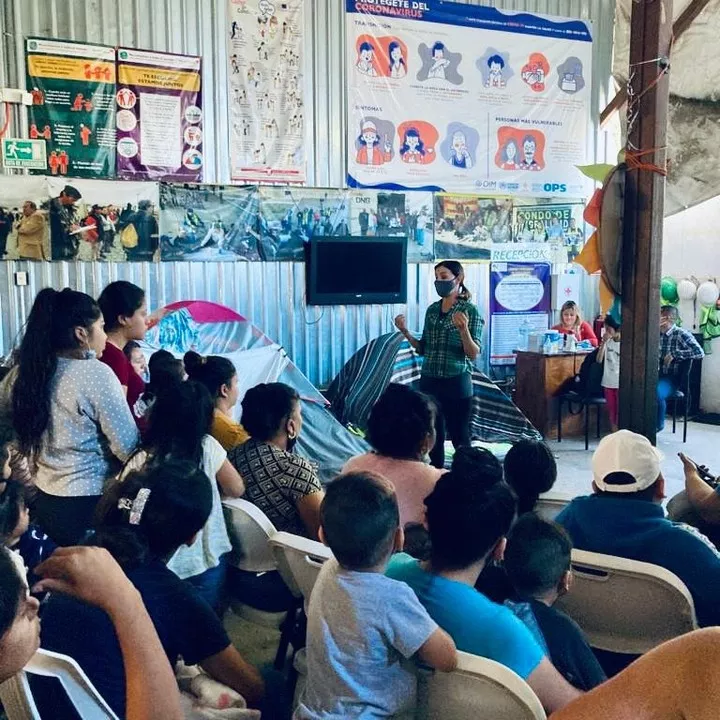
(70, 191)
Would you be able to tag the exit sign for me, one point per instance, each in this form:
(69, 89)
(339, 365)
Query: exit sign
(27, 154)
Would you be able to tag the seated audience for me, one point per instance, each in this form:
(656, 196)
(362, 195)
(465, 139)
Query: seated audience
(125, 311)
(624, 517)
(467, 524)
(93, 577)
(179, 428)
(69, 412)
(401, 430)
(676, 680)
(142, 521)
(27, 541)
(530, 470)
(363, 626)
(537, 561)
(219, 376)
(677, 345)
(283, 485)
(133, 352)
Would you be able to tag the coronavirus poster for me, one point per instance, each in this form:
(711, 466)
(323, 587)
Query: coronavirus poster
(265, 40)
(464, 98)
(159, 116)
(73, 105)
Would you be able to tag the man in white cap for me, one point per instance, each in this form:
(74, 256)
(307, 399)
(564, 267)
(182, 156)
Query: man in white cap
(624, 517)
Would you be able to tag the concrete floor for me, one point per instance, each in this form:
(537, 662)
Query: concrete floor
(574, 469)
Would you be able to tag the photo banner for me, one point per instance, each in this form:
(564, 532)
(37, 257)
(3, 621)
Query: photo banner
(560, 225)
(73, 106)
(159, 116)
(266, 90)
(502, 99)
(519, 305)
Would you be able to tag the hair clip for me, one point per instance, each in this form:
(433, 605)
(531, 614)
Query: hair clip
(124, 504)
(138, 506)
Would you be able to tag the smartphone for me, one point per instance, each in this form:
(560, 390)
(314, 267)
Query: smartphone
(702, 471)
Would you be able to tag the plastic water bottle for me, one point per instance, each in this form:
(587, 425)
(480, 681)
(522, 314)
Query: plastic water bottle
(524, 335)
(547, 345)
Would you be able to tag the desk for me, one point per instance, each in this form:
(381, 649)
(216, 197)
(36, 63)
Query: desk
(539, 378)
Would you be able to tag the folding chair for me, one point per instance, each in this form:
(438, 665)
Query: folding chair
(626, 606)
(19, 703)
(551, 504)
(478, 688)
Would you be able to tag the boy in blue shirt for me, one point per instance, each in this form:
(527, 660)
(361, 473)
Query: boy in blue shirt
(467, 524)
(364, 628)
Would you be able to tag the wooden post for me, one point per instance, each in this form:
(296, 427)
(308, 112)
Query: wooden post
(651, 33)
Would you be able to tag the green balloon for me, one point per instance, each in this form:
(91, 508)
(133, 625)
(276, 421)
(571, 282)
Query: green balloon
(668, 290)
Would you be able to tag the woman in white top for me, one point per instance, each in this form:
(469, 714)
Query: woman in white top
(69, 412)
(179, 428)
(609, 355)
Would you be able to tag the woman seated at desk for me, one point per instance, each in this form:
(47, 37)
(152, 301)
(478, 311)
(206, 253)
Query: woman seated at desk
(573, 324)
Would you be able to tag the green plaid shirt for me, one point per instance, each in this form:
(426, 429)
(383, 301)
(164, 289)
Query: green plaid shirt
(441, 346)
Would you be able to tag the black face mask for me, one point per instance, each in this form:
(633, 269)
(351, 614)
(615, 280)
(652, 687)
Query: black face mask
(444, 287)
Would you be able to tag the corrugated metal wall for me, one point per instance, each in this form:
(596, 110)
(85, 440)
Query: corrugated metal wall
(271, 294)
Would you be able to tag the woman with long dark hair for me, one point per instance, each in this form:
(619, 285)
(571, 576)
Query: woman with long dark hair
(450, 344)
(125, 312)
(179, 429)
(69, 412)
(219, 376)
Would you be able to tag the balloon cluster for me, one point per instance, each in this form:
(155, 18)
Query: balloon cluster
(707, 293)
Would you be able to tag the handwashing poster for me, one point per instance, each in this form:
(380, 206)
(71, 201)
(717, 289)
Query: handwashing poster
(462, 98)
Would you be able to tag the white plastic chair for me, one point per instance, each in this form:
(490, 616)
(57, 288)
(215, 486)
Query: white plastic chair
(18, 701)
(551, 504)
(478, 688)
(627, 606)
(299, 561)
(250, 532)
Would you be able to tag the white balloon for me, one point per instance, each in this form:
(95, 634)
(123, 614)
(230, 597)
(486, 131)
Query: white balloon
(708, 294)
(686, 289)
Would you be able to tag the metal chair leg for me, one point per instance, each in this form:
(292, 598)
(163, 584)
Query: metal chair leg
(685, 419)
(559, 419)
(598, 420)
(587, 426)
(674, 413)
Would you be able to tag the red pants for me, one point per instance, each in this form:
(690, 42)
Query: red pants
(611, 397)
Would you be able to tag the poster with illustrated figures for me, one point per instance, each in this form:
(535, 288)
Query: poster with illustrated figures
(462, 98)
(266, 90)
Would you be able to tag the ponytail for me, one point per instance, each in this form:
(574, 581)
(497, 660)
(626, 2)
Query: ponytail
(464, 293)
(50, 329)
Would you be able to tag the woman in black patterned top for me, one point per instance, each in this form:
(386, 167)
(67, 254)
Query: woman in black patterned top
(283, 485)
(450, 344)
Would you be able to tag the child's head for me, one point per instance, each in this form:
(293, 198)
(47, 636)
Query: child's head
(165, 370)
(537, 558)
(180, 418)
(14, 516)
(477, 465)
(402, 423)
(467, 521)
(530, 470)
(133, 352)
(360, 521)
(612, 326)
(19, 624)
(151, 513)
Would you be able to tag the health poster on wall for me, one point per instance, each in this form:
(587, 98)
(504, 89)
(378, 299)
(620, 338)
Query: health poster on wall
(464, 98)
(467, 227)
(392, 214)
(73, 105)
(519, 306)
(559, 225)
(265, 42)
(159, 116)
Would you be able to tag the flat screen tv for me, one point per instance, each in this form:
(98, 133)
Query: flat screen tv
(351, 270)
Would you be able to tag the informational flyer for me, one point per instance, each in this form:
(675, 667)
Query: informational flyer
(266, 90)
(466, 98)
(519, 306)
(73, 106)
(159, 116)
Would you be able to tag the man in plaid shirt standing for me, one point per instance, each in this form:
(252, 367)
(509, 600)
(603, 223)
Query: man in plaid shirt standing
(676, 345)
